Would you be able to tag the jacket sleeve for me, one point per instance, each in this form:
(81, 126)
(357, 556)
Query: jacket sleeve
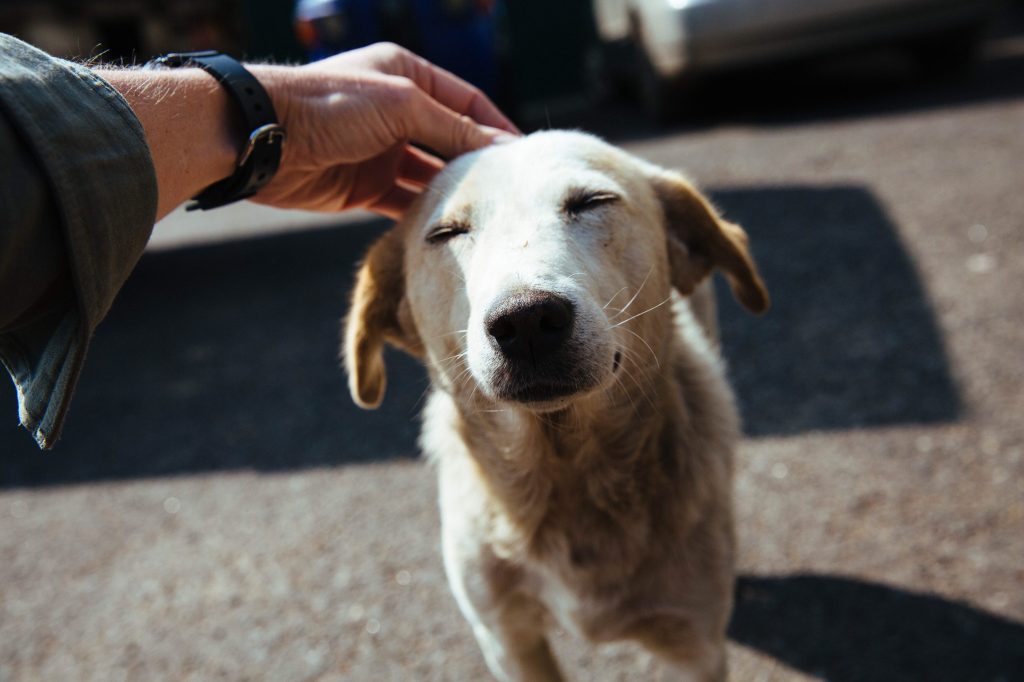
(77, 205)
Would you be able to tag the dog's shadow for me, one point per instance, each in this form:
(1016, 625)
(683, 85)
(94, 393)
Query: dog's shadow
(851, 340)
(846, 630)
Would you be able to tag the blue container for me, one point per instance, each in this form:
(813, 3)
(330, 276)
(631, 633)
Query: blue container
(458, 35)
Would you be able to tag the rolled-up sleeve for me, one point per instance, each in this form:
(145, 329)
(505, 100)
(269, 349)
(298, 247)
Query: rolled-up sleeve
(77, 205)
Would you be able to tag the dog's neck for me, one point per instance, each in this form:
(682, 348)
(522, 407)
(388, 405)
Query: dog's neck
(599, 479)
(585, 466)
(609, 468)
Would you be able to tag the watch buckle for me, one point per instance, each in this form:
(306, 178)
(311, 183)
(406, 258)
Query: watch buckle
(271, 133)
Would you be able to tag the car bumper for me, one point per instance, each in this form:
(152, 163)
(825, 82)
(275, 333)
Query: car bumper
(711, 35)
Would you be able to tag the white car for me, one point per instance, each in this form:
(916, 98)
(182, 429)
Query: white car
(664, 41)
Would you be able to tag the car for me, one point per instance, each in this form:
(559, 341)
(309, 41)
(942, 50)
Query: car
(663, 44)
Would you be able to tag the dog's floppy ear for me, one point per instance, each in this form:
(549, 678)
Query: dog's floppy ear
(379, 312)
(699, 240)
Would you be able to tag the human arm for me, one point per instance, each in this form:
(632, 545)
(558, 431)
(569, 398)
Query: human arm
(88, 169)
(354, 122)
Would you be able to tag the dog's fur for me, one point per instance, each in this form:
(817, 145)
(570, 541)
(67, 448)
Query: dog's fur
(592, 484)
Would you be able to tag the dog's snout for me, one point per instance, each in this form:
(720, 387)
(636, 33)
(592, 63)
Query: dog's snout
(529, 327)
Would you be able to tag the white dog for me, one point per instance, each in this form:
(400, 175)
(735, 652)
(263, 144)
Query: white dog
(579, 417)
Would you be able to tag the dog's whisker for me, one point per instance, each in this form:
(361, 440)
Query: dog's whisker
(625, 307)
(640, 387)
(450, 367)
(423, 396)
(459, 275)
(457, 331)
(647, 345)
(614, 296)
(627, 393)
(463, 377)
(457, 356)
(657, 305)
(450, 364)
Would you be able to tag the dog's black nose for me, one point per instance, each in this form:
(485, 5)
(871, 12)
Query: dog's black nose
(530, 327)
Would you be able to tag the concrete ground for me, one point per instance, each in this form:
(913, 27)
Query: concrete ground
(218, 509)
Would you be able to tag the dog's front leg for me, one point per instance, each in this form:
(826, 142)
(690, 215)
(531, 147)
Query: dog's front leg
(691, 656)
(516, 653)
(508, 625)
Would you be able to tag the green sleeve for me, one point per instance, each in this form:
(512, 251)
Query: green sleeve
(77, 205)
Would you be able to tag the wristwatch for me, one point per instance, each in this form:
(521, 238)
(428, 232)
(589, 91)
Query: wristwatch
(261, 153)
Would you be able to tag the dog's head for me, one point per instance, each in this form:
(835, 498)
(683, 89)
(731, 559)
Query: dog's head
(535, 273)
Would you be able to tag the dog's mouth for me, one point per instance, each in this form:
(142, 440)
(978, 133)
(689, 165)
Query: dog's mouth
(539, 393)
(548, 390)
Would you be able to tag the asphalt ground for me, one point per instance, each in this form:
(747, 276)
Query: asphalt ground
(218, 509)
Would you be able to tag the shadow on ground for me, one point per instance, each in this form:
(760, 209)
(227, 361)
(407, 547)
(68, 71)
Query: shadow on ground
(224, 357)
(846, 630)
(851, 340)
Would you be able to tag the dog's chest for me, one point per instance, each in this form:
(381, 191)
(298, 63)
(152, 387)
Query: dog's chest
(580, 561)
(589, 609)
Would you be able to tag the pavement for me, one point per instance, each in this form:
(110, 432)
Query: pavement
(219, 510)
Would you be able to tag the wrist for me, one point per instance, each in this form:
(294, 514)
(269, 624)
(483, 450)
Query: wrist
(275, 81)
(192, 128)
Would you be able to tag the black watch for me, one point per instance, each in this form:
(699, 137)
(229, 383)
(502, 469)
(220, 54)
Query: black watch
(261, 154)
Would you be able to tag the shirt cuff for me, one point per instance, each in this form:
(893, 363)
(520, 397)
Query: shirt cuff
(92, 150)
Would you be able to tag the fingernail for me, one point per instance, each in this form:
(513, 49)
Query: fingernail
(497, 135)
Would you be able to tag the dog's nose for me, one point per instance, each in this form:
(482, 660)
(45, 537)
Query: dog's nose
(530, 327)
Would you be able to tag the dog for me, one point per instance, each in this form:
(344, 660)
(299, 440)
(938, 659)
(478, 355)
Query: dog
(557, 290)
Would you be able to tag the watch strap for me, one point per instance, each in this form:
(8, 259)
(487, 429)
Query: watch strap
(261, 151)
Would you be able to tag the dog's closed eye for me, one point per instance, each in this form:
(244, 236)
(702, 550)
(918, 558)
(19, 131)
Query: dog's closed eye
(442, 232)
(581, 200)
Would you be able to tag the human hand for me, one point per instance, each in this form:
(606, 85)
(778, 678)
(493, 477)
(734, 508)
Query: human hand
(351, 121)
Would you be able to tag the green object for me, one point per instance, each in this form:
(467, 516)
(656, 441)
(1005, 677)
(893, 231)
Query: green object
(269, 31)
(547, 44)
(78, 203)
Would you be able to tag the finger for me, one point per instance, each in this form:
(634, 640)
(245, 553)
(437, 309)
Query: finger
(417, 167)
(457, 94)
(445, 131)
(395, 202)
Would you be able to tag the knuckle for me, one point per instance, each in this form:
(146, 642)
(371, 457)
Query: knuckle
(403, 90)
(389, 50)
(463, 134)
(394, 91)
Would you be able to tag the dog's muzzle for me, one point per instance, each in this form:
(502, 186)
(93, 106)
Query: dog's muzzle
(532, 334)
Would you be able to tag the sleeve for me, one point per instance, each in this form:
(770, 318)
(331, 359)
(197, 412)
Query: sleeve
(77, 205)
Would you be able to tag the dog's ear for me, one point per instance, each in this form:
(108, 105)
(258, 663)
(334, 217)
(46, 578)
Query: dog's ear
(379, 312)
(699, 241)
